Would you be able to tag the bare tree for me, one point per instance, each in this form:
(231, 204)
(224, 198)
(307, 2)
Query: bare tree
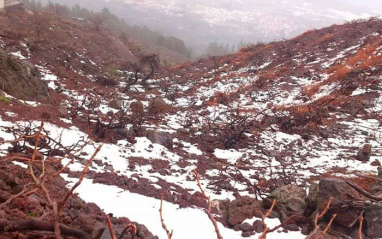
(98, 20)
(143, 70)
(41, 21)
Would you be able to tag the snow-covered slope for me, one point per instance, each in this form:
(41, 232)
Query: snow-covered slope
(288, 112)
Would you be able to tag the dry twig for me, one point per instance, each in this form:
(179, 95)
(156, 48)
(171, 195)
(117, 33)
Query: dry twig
(318, 217)
(38, 183)
(265, 227)
(322, 234)
(322, 214)
(169, 234)
(129, 227)
(110, 225)
(208, 200)
(360, 225)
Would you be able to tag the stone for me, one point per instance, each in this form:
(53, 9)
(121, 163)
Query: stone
(246, 234)
(99, 230)
(311, 199)
(236, 227)
(305, 230)
(258, 226)
(142, 231)
(67, 220)
(159, 137)
(158, 105)
(290, 200)
(17, 189)
(85, 222)
(35, 197)
(76, 203)
(31, 68)
(376, 189)
(137, 107)
(4, 196)
(341, 193)
(115, 104)
(292, 227)
(246, 227)
(241, 209)
(373, 218)
(364, 154)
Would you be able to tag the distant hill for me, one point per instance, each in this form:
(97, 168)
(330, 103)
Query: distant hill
(225, 21)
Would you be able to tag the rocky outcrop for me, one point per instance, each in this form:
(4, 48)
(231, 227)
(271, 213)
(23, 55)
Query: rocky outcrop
(19, 79)
(342, 194)
(290, 200)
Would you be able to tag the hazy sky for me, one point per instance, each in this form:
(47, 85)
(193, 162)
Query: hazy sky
(370, 3)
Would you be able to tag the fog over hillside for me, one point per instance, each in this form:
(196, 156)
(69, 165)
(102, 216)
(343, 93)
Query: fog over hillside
(230, 21)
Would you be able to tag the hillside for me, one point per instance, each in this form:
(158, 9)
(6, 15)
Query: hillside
(199, 23)
(275, 121)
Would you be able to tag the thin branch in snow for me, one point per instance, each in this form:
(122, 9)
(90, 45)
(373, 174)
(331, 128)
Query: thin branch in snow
(265, 226)
(208, 200)
(169, 234)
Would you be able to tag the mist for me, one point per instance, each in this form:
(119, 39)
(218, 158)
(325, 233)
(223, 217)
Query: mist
(234, 22)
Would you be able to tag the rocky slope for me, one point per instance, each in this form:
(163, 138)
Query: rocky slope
(280, 116)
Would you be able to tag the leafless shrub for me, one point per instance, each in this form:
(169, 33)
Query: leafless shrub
(143, 70)
(38, 183)
(208, 200)
(41, 24)
(230, 126)
(98, 20)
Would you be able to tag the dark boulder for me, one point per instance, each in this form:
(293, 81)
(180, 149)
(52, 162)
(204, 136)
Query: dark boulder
(373, 219)
(342, 194)
(290, 200)
(364, 154)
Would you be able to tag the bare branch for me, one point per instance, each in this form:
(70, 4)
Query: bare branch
(360, 225)
(128, 227)
(169, 234)
(110, 225)
(265, 226)
(208, 211)
(84, 172)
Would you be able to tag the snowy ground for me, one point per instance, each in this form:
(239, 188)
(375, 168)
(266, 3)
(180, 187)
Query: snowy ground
(187, 223)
